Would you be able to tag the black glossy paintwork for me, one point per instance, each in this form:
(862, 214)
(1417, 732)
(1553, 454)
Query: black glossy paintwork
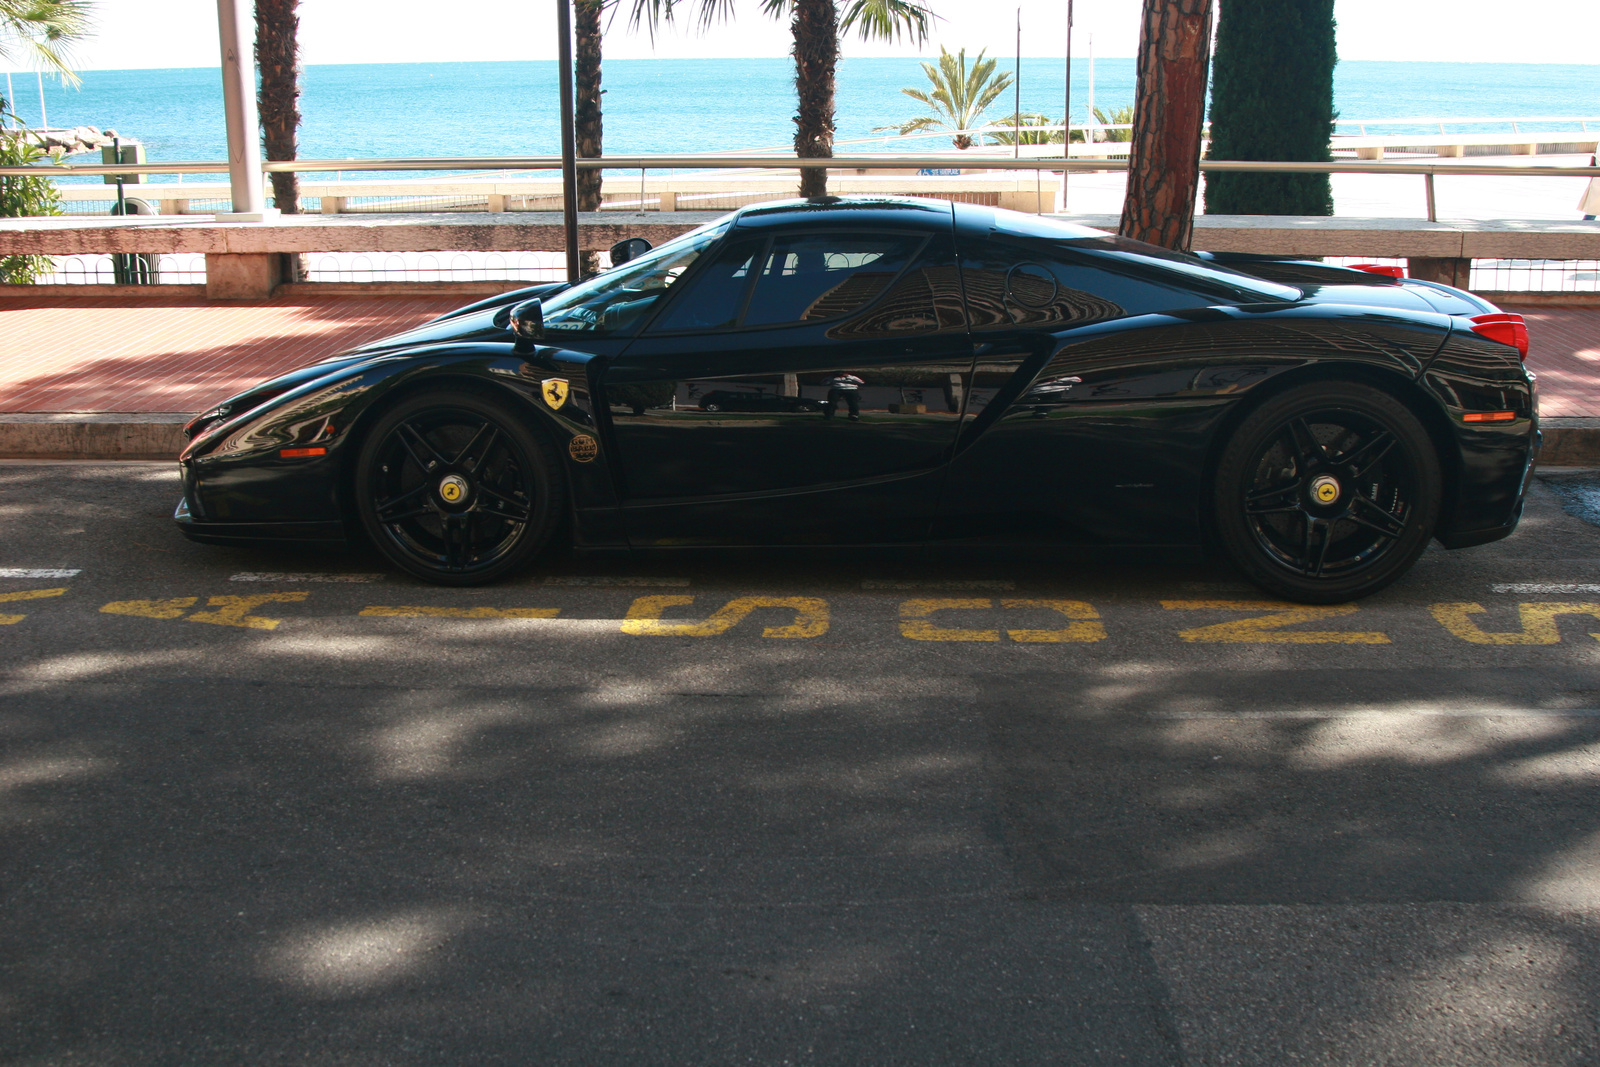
(1121, 455)
(1008, 399)
(1471, 373)
(808, 475)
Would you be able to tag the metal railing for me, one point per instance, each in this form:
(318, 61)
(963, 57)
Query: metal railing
(883, 161)
(1582, 121)
(1428, 171)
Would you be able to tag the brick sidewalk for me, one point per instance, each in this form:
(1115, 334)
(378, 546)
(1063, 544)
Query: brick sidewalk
(162, 353)
(1564, 349)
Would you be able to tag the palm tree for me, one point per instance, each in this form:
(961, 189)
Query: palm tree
(1169, 110)
(586, 106)
(587, 117)
(959, 95)
(816, 26)
(278, 98)
(44, 31)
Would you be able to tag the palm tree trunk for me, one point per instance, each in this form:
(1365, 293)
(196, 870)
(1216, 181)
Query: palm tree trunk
(1164, 163)
(816, 54)
(586, 101)
(278, 100)
(587, 117)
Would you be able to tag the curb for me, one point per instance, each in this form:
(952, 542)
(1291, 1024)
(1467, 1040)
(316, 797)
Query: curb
(1571, 442)
(95, 435)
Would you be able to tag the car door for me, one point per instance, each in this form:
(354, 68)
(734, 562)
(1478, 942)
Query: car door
(1094, 391)
(732, 417)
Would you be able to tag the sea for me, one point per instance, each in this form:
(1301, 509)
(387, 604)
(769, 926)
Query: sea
(354, 111)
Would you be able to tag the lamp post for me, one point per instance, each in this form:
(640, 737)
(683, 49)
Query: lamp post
(234, 22)
(1066, 116)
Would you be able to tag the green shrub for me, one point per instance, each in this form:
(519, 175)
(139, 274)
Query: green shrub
(21, 197)
(1272, 99)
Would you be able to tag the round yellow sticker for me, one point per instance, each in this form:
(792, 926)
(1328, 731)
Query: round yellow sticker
(583, 448)
(452, 489)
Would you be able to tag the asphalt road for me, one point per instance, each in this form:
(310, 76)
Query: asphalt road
(263, 806)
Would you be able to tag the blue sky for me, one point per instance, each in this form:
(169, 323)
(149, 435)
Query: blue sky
(182, 33)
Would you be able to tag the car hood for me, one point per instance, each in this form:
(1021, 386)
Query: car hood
(487, 324)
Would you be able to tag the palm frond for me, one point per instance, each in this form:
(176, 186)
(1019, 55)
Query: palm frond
(46, 31)
(1026, 136)
(654, 13)
(916, 125)
(888, 20)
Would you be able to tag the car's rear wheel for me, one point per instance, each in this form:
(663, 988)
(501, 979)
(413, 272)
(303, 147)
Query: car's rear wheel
(1327, 492)
(456, 489)
(712, 407)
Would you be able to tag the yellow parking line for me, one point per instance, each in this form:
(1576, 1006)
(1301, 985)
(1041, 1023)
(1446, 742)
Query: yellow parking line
(644, 617)
(26, 594)
(152, 609)
(381, 612)
(916, 620)
(916, 616)
(231, 610)
(1266, 629)
(1538, 622)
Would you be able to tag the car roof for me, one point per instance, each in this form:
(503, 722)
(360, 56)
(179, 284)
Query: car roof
(854, 212)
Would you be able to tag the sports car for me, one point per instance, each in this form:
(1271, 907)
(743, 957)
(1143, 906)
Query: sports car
(1024, 384)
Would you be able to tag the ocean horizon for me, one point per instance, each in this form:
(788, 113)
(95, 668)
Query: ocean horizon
(678, 105)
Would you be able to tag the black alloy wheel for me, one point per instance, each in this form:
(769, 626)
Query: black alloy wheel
(1327, 492)
(456, 489)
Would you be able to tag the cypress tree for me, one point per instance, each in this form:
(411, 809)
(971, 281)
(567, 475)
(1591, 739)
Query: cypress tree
(1272, 99)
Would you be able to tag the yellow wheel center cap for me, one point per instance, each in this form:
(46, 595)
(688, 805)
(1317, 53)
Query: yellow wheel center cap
(453, 489)
(1325, 490)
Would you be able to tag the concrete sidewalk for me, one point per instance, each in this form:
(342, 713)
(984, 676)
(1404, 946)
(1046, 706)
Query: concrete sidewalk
(115, 375)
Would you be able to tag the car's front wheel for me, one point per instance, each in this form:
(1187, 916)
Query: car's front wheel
(456, 489)
(1327, 492)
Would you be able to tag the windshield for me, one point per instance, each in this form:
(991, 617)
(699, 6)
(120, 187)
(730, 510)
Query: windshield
(617, 299)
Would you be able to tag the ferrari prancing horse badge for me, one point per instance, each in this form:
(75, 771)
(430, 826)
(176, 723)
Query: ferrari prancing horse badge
(555, 392)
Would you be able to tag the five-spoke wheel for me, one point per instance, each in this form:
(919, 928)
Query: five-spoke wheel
(454, 488)
(1327, 492)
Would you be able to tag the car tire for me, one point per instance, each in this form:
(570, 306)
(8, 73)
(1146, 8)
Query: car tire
(457, 489)
(1327, 492)
(712, 407)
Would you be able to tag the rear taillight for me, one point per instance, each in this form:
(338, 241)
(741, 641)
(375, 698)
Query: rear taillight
(1507, 329)
(1380, 268)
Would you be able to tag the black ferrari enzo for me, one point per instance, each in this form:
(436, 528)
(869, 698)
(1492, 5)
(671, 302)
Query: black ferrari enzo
(1022, 383)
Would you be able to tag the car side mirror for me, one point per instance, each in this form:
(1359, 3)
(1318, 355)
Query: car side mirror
(632, 248)
(527, 320)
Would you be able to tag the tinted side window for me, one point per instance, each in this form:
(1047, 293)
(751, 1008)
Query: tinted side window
(1011, 286)
(925, 299)
(818, 277)
(718, 293)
